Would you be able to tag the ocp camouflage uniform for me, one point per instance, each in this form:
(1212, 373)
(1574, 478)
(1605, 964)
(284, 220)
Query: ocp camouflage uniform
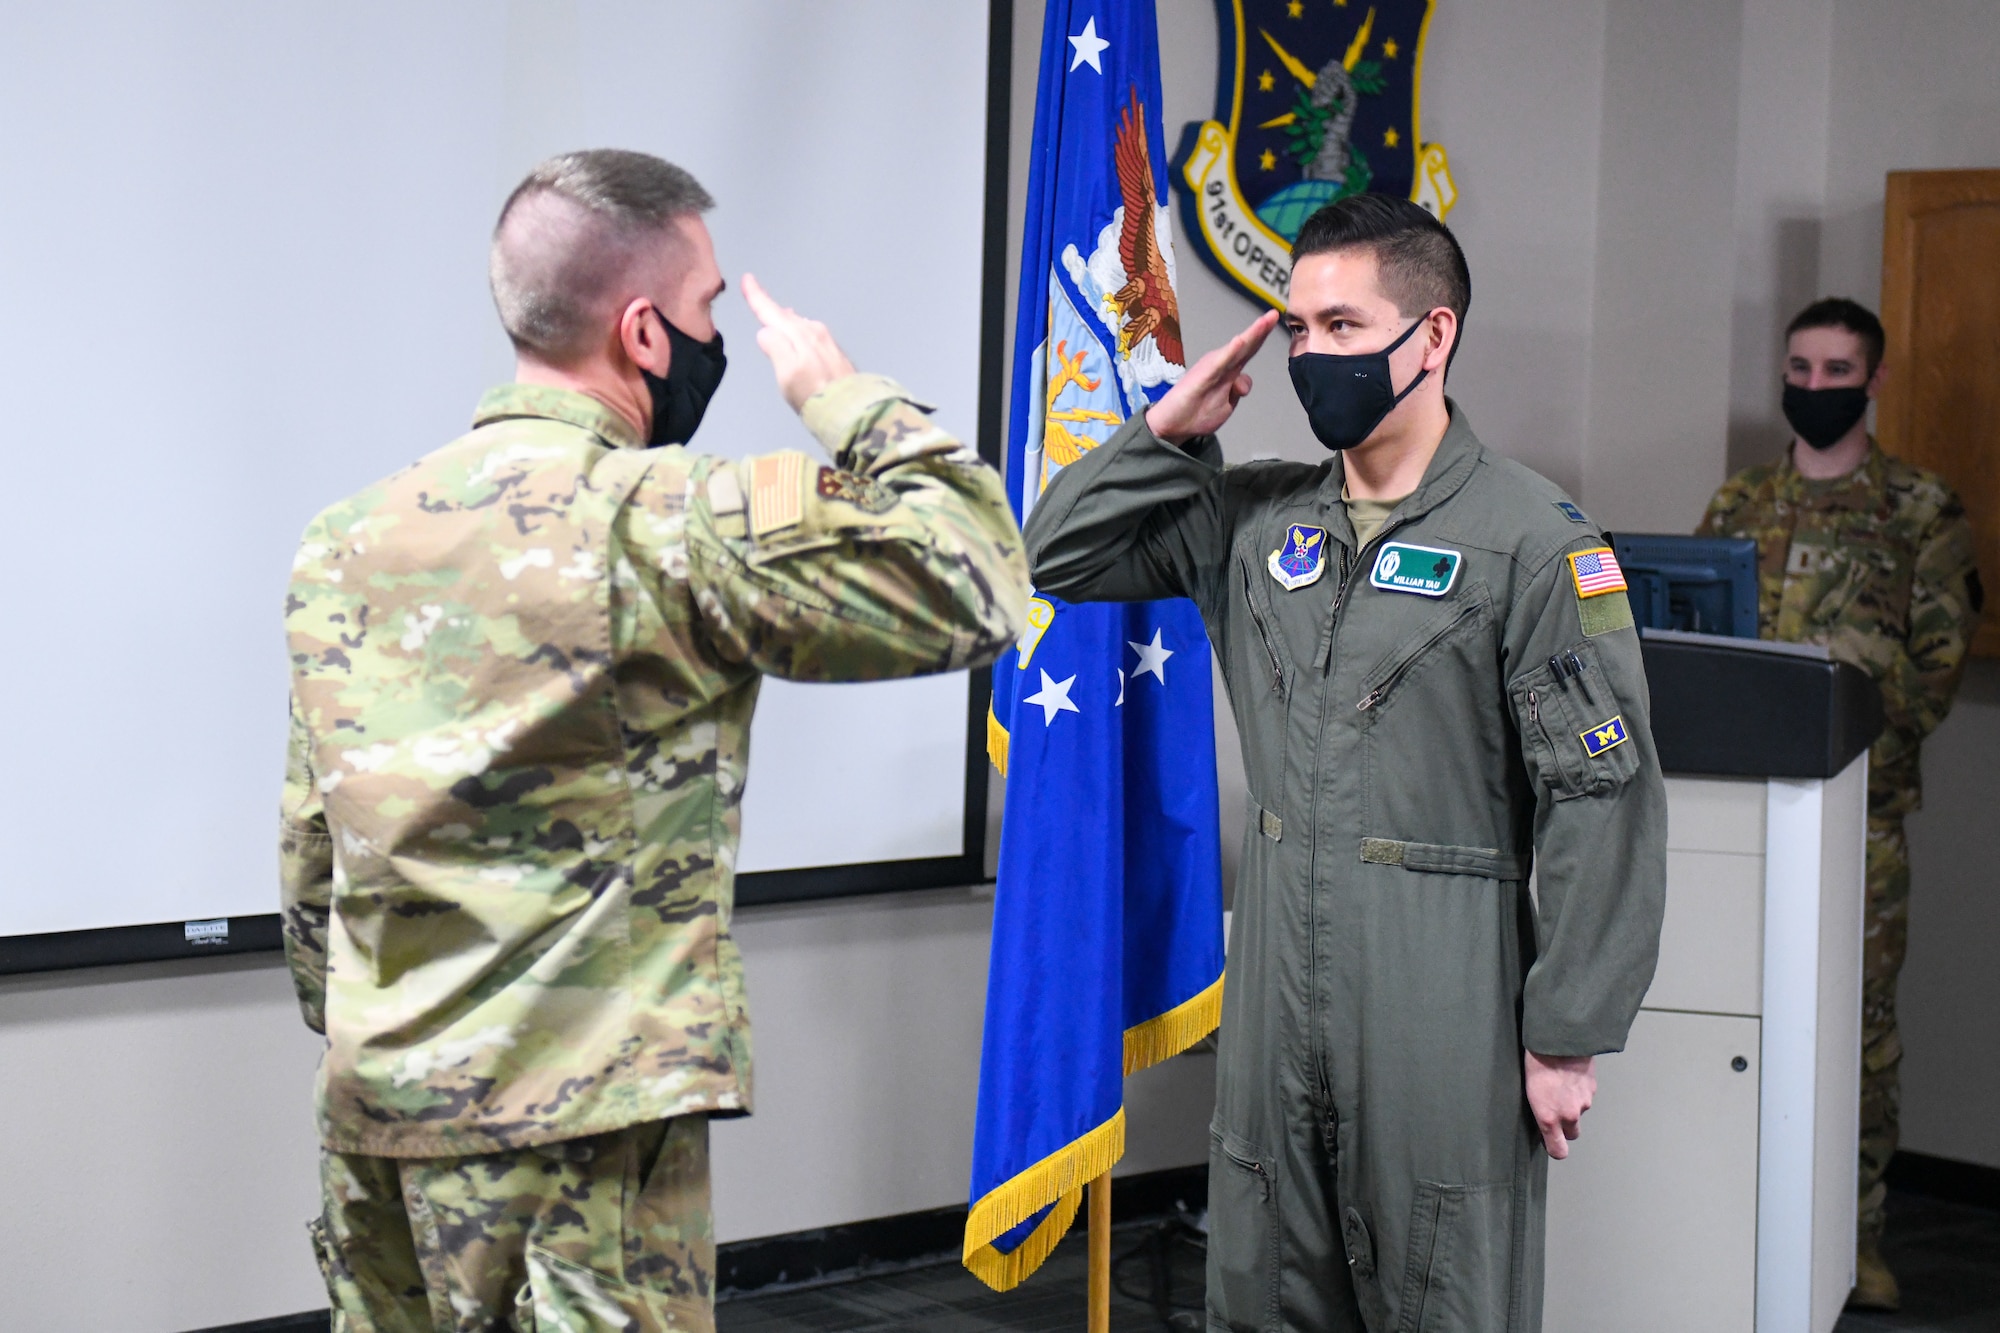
(1876, 565)
(523, 676)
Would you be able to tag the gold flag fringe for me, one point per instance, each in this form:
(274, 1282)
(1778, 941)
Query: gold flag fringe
(996, 741)
(1058, 1178)
(1167, 1035)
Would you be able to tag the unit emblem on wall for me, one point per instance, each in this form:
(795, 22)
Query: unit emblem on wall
(1316, 100)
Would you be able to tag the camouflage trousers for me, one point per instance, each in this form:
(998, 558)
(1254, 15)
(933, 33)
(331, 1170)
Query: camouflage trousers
(1882, 948)
(610, 1232)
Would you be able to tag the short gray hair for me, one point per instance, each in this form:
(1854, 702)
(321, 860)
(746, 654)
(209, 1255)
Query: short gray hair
(570, 232)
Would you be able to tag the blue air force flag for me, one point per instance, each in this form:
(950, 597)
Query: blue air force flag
(1107, 931)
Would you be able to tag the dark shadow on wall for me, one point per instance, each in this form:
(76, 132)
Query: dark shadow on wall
(1757, 430)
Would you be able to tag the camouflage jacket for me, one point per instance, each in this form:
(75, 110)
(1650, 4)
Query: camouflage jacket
(1877, 565)
(523, 675)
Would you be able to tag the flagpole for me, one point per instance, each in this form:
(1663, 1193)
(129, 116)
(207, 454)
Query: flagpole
(1100, 1254)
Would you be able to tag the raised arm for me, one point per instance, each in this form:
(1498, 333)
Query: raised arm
(1141, 516)
(900, 559)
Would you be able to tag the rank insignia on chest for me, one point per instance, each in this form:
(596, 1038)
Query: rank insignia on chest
(1596, 572)
(1424, 570)
(1608, 736)
(1302, 559)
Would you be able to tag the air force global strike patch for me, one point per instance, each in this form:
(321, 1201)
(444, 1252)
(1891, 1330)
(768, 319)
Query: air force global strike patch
(1424, 570)
(1302, 559)
(1608, 736)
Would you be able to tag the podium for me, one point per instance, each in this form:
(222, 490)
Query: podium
(1714, 1185)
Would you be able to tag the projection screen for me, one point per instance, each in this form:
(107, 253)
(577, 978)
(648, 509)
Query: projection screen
(244, 275)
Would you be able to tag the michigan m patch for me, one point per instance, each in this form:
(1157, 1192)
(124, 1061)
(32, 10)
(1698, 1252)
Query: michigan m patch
(1605, 736)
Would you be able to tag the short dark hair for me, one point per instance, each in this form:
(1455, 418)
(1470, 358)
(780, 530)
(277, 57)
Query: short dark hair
(566, 234)
(1421, 263)
(1838, 312)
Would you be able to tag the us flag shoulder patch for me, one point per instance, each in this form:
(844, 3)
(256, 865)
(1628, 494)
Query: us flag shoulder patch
(1596, 572)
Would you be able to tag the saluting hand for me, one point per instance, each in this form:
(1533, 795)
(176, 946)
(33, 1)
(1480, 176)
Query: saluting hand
(802, 351)
(1211, 388)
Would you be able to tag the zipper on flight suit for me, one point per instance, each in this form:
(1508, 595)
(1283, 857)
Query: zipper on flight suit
(1325, 657)
(1376, 695)
(1264, 633)
(1253, 1166)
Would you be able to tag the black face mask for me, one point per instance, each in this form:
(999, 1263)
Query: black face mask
(1821, 416)
(681, 395)
(1346, 397)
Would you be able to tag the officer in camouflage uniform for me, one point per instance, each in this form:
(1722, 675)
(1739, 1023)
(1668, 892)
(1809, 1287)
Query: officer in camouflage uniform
(1871, 557)
(523, 676)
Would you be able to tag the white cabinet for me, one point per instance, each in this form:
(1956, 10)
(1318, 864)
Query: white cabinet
(1702, 1196)
(1672, 1146)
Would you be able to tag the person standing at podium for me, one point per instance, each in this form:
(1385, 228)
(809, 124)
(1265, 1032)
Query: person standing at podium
(1871, 557)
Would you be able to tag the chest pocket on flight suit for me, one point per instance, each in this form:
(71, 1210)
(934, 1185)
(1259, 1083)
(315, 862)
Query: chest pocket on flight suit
(1575, 729)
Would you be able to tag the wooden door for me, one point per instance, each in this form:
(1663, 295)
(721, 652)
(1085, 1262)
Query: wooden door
(1940, 407)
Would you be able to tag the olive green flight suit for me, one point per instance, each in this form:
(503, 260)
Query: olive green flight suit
(1374, 1162)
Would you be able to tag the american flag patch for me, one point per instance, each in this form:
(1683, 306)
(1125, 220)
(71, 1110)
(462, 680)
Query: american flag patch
(777, 491)
(1596, 572)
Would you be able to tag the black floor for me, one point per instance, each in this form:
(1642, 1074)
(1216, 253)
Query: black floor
(945, 1298)
(1947, 1258)
(1946, 1255)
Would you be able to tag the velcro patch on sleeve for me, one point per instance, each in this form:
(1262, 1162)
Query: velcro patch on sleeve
(777, 492)
(1601, 615)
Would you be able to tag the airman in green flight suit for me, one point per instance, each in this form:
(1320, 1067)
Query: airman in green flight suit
(1435, 674)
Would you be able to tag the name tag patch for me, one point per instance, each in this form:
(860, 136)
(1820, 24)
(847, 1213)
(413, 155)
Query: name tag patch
(1424, 570)
(1302, 559)
(1607, 736)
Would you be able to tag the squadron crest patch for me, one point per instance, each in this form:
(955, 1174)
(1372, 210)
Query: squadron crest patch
(1314, 102)
(862, 492)
(1302, 559)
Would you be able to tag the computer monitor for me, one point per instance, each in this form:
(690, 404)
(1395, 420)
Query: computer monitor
(1702, 585)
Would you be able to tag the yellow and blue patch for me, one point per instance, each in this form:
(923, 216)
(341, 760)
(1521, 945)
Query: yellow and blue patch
(1605, 736)
(1302, 559)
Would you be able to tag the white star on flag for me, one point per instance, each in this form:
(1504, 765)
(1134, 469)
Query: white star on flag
(1089, 46)
(1052, 698)
(1152, 657)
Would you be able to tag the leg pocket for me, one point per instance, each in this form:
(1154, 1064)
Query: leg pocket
(562, 1297)
(1461, 1266)
(669, 1223)
(1242, 1237)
